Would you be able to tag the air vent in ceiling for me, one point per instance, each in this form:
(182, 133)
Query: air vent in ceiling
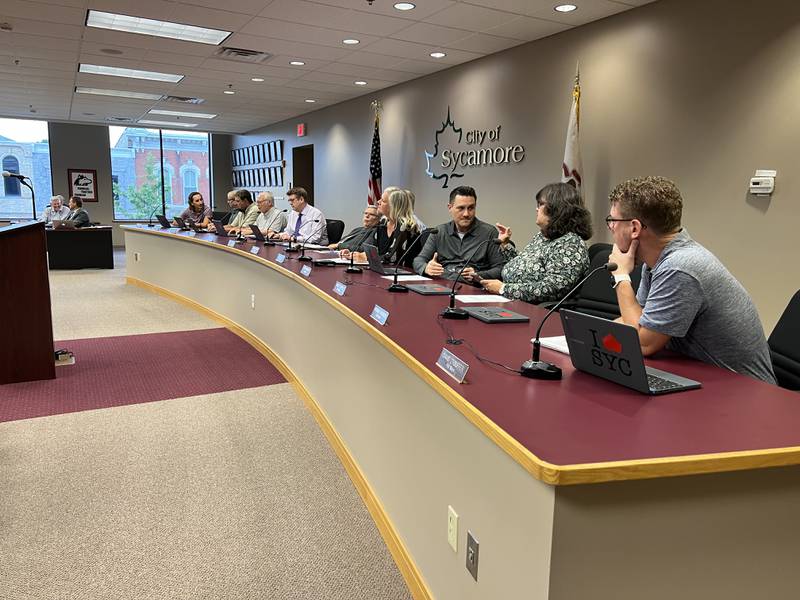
(242, 55)
(120, 119)
(183, 99)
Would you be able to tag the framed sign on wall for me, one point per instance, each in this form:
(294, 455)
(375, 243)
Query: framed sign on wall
(83, 184)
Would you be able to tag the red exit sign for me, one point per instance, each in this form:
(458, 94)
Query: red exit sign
(301, 130)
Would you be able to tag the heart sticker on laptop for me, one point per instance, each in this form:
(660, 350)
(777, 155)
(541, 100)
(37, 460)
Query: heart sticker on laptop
(612, 344)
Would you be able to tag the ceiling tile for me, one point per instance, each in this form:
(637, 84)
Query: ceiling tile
(368, 59)
(431, 35)
(588, 10)
(313, 13)
(483, 44)
(423, 10)
(44, 29)
(36, 11)
(247, 7)
(296, 49)
(282, 30)
(527, 29)
(473, 18)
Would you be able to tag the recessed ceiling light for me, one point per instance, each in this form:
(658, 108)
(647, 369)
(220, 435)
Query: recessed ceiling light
(438, 54)
(310, 101)
(166, 29)
(132, 73)
(167, 123)
(565, 8)
(360, 82)
(257, 79)
(178, 113)
(229, 92)
(118, 93)
(297, 63)
(405, 6)
(351, 42)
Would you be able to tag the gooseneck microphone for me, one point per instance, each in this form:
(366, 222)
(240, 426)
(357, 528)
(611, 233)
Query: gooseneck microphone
(358, 248)
(150, 218)
(451, 312)
(303, 256)
(22, 179)
(14, 175)
(398, 287)
(268, 241)
(538, 369)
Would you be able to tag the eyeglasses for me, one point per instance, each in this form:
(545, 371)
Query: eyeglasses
(610, 220)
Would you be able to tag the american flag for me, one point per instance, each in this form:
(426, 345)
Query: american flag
(375, 169)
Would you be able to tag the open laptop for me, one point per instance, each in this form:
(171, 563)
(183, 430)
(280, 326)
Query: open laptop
(611, 350)
(164, 221)
(219, 227)
(375, 264)
(182, 224)
(63, 224)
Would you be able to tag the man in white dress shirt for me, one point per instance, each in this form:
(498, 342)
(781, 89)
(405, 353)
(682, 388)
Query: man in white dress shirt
(306, 223)
(270, 220)
(56, 211)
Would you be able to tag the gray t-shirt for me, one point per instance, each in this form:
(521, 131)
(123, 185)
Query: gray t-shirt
(690, 296)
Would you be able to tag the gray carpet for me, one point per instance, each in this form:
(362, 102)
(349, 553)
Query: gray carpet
(222, 496)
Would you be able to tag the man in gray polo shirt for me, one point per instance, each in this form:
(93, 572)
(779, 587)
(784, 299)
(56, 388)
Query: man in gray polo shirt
(447, 249)
(687, 300)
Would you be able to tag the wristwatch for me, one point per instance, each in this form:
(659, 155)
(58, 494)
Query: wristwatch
(620, 278)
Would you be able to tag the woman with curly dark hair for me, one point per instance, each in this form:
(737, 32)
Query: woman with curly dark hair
(556, 258)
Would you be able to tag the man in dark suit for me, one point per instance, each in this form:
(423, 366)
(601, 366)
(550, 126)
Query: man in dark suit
(78, 214)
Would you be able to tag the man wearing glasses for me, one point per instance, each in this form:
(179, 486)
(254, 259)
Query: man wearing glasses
(687, 300)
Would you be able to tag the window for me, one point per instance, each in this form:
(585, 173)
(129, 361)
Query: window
(154, 170)
(24, 149)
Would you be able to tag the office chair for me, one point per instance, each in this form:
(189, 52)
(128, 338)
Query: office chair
(335, 230)
(597, 296)
(784, 347)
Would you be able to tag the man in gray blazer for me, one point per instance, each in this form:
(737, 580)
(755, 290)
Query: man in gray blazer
(78, 214)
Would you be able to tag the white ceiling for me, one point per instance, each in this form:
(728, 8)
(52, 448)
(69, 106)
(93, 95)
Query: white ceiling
(39, 58)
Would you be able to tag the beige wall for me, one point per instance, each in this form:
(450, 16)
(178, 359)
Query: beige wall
(701, 92)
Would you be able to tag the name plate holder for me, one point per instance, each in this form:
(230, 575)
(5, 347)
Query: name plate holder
(281, 258)
(339, 288)
(231, 243)
(305, 271)
(255, 250)
(379, 315)
(452, 365)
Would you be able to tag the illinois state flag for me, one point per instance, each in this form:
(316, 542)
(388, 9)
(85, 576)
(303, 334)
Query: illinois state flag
(375, 168)
(572, 167)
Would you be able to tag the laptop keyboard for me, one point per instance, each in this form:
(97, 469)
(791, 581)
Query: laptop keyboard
(659, 384)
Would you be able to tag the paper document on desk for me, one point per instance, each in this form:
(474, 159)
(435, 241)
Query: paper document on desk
(557, 343)
(480, 298)
(407, 278)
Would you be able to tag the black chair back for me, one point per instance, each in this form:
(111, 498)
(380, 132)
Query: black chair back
(335, 230)
(599, 247)
(219, 214)
(597, 296)
(784, 346)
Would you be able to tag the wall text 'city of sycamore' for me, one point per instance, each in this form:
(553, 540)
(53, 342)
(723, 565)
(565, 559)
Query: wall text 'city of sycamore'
(481, 157)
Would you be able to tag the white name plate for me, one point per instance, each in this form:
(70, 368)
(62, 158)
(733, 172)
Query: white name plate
(452, 365)
(254, 250)
(339, 288)
(305, 271)
(379, 315)
(281, 258)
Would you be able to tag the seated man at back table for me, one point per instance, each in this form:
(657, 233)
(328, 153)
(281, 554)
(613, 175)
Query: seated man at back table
(270, 220)
(56, 211)
(78, 214)
(306, 223)
(687, 300)
(355, 239)
(454, 242)
(247, 215)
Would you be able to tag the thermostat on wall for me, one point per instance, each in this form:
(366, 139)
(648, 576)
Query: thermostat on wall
(763, 184)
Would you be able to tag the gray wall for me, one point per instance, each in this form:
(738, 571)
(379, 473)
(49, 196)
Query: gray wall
(74, 146)
(701, 92)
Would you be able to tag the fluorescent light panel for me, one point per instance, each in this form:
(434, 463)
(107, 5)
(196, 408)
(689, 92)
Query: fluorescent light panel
(165, 29)
(178, 113)
(167, 123)
(118, 93)
(131, 73)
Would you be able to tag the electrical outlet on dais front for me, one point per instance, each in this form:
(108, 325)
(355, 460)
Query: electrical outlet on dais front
(452, 528)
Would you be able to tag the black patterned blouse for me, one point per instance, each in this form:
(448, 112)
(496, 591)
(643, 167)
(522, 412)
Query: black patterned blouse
(545, 269)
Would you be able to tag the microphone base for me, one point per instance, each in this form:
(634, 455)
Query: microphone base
(291, 249)
(354, 270)
(397, 287)
(305, 258)
(269, 243)
(454, 313)
(537, 369)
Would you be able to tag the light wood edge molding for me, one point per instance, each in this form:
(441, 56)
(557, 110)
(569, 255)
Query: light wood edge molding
(552, 474)
(399, 552)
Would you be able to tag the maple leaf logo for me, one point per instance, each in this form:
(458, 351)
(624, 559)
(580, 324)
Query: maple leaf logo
(430, 156)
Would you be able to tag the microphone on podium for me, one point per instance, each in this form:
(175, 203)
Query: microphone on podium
(451, 312)
(539, 369)
(14, 175)
(303, 256)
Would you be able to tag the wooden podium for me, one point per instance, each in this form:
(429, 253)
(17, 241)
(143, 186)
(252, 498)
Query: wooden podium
(26, 344)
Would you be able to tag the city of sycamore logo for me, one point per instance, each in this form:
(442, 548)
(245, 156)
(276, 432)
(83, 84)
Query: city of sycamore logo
(448, 162)
(604, 351)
